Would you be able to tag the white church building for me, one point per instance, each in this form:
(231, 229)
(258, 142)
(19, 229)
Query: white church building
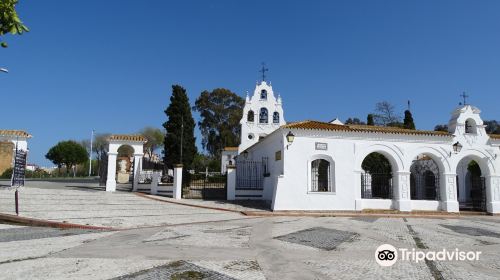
(320, 166)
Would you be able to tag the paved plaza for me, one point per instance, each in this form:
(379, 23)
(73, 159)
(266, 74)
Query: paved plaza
(159, 240)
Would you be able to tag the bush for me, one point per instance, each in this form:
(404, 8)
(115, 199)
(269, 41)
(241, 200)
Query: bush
(7, 174)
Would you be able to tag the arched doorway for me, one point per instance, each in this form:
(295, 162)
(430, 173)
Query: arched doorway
(125, 166)
(471, 185)
(124, 162)
(424, 179)
(376, 178)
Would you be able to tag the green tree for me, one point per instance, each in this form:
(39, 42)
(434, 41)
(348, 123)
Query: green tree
(354, 121)
(9, 20)
(155, 137)
(492, 127)
(69, 153)
(179, 130)
(441, 127)
(221, 111)
(370, 120)
(408, 121)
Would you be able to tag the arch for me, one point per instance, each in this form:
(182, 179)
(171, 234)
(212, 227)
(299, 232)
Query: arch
(440, 158)
(263, 116)
(394, 156)
(376, 177)
(471, 184)
(250, 116)
(481, 157)
(276, 117)
(263, 94)
(321, 165)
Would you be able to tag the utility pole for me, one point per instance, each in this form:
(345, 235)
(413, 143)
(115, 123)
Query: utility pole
(90, 155)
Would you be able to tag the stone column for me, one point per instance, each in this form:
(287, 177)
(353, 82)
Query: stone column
(137, 171)
(402, 194)
(154, 182)
(231, 182)
(448, 193)
(111, 180)
(177, 193)
(493, 194)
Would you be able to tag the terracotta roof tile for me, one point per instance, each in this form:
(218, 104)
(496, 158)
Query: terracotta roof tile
(231, 149)
(495, 136)
(126, 137)
(20, 133)
(315, 125)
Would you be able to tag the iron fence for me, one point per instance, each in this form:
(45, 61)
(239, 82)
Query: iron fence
(250, 174)
(204, 186)
(376, 186)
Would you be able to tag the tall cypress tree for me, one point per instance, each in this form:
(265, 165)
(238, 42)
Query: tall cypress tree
(408, 121)
(179, 130)
(369, 120)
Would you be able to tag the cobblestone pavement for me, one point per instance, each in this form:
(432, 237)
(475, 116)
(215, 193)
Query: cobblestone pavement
(169, 241)
(260, 248)
(87, 204)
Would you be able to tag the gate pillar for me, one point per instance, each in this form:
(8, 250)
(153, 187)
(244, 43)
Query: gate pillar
(177, 194)
(493, 194)
(403, 191)
(111, 181)
(137, 171)
(448, 193)
(231, 182)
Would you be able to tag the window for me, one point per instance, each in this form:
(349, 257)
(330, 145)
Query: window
(263, 94)
(470, 126)
(250, 116)
(320, 176)
(263, 117)
(276, 117)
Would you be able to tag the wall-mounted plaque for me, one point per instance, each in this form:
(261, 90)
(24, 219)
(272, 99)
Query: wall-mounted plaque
(321, 146)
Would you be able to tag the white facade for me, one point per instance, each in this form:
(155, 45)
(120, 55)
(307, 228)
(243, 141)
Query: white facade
(262, 114)
(291, 184)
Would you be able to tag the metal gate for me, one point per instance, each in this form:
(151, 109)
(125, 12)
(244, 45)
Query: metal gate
(377, 185)
(250, 174)
(478, 193)
(206, 185)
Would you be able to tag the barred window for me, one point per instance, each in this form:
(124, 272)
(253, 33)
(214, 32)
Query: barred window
(320, 176)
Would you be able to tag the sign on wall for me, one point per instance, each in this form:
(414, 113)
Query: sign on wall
(19, 169)
(321, 146)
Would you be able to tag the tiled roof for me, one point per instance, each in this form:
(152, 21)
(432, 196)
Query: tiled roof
(20, 133)
(231, 149)
(125, 137)
(315, 125)
(495, 136)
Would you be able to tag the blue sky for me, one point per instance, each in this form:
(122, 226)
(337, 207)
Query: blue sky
(109, 65)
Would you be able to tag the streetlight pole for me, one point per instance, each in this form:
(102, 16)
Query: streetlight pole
(90, 155)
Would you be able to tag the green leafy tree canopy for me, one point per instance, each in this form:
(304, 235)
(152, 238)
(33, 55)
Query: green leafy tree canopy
(9, 20)
(68, 153)
(221, 111)
(408, 121)
(155, 137)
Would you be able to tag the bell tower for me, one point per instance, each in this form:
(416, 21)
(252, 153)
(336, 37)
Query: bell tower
(262, 114)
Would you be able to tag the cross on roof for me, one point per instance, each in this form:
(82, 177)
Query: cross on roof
(464, 96)
(263, 71)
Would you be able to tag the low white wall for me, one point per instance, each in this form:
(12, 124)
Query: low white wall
(426, 205)
(249, 194)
